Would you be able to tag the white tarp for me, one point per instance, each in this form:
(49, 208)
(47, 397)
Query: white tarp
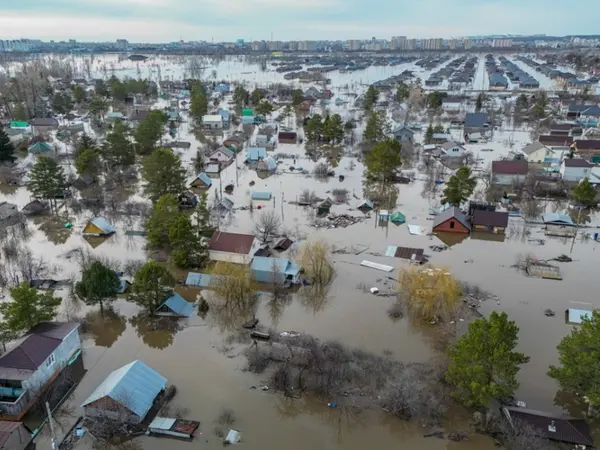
(376, 266)
(416, 229)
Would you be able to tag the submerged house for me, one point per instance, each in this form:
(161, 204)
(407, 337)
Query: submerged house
(255, 154)
(269, 164)
(490, 221)
(452, 220)
(9, 214)
(29, 368)
(99, 226)
(275, 270)
(175, 306)
(222, 156)
(200, 181)
(287, 137)
(126, 395)
(232, 247)
(40, 148)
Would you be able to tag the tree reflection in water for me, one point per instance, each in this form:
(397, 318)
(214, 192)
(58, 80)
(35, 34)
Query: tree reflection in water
(315, 297)
(106, 328)
(156, 332)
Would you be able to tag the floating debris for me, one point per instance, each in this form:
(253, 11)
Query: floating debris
(549, 313)
(338, 221)
(562, 258)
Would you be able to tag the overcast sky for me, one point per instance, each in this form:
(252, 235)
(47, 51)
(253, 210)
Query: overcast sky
(228, 20)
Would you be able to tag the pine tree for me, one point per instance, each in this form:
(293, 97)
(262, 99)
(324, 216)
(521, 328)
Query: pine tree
(202, 218)
(47, 179)
(28, 308)
(6, 148)
(163, 174)
(118, 151)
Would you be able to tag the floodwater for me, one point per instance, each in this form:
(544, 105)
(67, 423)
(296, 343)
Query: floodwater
(210, 377)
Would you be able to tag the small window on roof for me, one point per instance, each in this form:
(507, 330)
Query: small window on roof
(452, 224)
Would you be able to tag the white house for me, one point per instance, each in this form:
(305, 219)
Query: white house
(222, 156)
(509, 173)
(37, 359)
(575, 169)
(453, 149)
(213, 121)
(232, 247)
(536, 152)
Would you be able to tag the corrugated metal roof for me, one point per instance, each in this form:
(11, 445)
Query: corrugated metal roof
(261, 196)
(6, 430)
(198, 279)
(179, 305)
(103, 224)
(40, 147)
(162, 423)
(264, 264)
(256, 154)
(31, 353)
(557, 218)
(134, 386)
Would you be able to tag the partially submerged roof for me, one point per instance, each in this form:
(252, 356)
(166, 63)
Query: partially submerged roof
(476, 120)
(256, 153)
(179, 305)
(530, 148)
(6, 430)
(44, 122)
(224, 150)
(103, 224)
(8, 210)
(556, 218)
(222, 241)
(490, 218)
(451, 213)
(555, 140)
(261, 195)
(134, 386)
(212, 118)
(280, 265)
(202, 280)
(450, 144)
(576, 316)
(551, 426)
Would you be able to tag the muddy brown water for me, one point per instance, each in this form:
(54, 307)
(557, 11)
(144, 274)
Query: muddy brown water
(208, 380)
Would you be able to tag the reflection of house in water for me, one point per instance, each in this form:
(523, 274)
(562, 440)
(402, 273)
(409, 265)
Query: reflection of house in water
(9, 214)
(98, 226)
(450, 239)
(14, 436)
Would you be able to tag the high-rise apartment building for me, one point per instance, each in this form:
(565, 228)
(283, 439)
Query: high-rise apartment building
(409, 44)
(502, 43)
(397, 42)
(431, 44)
(307, 46)
(452, 44)
(467, 44)
(275, 46)
(292, 45)
(353, 44)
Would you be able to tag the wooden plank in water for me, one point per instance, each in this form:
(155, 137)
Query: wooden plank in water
(545, 271)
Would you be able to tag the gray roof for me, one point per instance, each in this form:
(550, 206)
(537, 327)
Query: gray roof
(450, 213)
(134, 386)
(44, 122)
(476, 120)
(530, 148)
(7, 210)
(449, 145)
(179, 305)
(227, 152)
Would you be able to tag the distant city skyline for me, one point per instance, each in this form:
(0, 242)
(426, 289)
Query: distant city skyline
(157, 21)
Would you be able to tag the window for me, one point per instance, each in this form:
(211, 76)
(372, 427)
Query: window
(452, 224)
(50, 361)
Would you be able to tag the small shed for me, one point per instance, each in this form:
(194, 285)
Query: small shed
(451, 220)
(324, 207)
(175, 306)
(275, 270)
(397, 217)
(268, 164)
(384, 215)
(9, 214)
(287, 137)
(200, 181)
(99, 226)
(283, 244)
(33, 208)
(127, 394)
(40, 148)
(201, 280)
(264, 196)
(212, 169)
(212, 121)
(365, 205)
(179, 428)
(557, 219)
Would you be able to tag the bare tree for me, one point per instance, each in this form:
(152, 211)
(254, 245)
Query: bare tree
(316, 261)
(267, 226)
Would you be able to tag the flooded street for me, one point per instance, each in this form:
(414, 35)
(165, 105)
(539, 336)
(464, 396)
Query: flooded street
(208, 370)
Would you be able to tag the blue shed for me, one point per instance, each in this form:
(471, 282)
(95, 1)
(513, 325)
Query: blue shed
(261, 196)
(222, 87)
(201, 181)
(255, 154)
(176, 306)
(201, 280)
(557, 219)
(275, 270)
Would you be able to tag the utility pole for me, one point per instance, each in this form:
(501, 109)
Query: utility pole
(52, 430)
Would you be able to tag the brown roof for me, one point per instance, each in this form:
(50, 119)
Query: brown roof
(510, 167)
(6, 429)
(587, 144)
(490, 218)
(560, 126)
(37, 346)
(577, 162)
(231, 242)
(553, 139)
(451, 213)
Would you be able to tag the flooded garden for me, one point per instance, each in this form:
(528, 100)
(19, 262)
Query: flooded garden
(354, 323)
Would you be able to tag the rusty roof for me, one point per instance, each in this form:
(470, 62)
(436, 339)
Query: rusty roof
(510, 167)
(577, 162)
(554, 139)
(231, 242)
(6, 429)
(587, 144)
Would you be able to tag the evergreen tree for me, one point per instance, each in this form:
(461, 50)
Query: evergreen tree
(78, 94)
(98, 285)
(256, 96)
(159, 221)
(585, 193)
(383, 160)
(199, 162)
(28, 308)
(479, 103)
(204, 228)
(6, 148)
(19, 113)
(47, 179)
(151, 286)
(429, 134)
(376, 128)
(149, 131)
(188, 249)
(459, 187)
(402, 92)
(264, 108)
(371, 97)
(118, 151)
(297, 97)
(199, 102)
(162, 174)
(314, 129)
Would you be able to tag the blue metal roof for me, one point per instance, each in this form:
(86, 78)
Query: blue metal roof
(179, 305)
(134, 386)
(103, 224)
(123, 286)
(476, 120)
(558, 218)
(261, 196)
(204, 178)
(264, 264)
(40, 147)
(202, 280)
(256, 153)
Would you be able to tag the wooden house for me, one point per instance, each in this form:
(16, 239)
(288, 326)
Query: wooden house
(452, 220)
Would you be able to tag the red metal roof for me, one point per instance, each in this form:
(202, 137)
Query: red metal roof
(6, 429)
(510, 167)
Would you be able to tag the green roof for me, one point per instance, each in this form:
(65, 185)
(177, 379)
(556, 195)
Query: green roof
(17, 124)
(247, 112)
(40, 147)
